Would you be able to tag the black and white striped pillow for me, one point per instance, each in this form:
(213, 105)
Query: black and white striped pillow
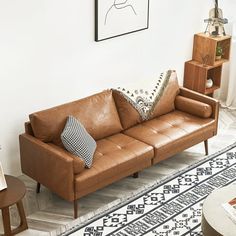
(78, 141)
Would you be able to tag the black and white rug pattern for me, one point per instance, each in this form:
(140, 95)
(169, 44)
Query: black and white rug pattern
(172, 207)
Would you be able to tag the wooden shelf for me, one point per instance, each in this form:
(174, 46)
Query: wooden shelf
(204, 45)
(215, 38)
(199, 64)
(196, 73)
(211, 90)
(220, 62)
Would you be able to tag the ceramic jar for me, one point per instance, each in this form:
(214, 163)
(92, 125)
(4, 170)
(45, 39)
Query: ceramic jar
(209, 83)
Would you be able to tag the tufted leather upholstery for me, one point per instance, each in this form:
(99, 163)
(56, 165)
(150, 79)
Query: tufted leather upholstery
(116, 156)
(172, 132)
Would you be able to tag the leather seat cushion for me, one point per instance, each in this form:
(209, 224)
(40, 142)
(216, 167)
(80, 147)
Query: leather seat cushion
(97, 113)
(114, 155)
(170, 132)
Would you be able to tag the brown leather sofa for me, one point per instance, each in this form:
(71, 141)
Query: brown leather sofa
(125, 144)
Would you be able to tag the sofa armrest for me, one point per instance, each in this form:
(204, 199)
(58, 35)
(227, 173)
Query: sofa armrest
(193, 107)
(205, 99)
(78, 163)
(202, 98)
(47, 165)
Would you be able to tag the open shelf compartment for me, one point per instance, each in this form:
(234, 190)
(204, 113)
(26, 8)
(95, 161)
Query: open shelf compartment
(196, 75)
(205, 46)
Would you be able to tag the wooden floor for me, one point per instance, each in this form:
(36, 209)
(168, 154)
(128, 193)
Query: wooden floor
(47, 214)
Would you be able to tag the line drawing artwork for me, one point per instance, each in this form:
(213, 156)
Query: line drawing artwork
(119, 5)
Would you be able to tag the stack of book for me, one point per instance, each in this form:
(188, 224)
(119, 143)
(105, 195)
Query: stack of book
(230, 208)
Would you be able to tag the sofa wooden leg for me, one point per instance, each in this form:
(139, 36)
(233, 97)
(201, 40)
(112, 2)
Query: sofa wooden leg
(38, 188)
(206, 146)
(135, 175)
(75, 209)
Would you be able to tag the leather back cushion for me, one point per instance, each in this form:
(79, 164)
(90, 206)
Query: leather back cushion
(166, 103)
(129, 116)
(97, 113)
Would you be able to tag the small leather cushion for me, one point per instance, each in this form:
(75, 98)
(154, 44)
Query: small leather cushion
(78, 141)
(193, 107)
(129, 116)
(97, 113)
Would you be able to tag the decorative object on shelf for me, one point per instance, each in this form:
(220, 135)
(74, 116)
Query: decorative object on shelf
(215, 22)
(219, 52)
(3, 184)
(205, 59)
(209, 83)
(119, 17)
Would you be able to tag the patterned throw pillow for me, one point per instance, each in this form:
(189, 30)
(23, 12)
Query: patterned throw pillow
(78, 141)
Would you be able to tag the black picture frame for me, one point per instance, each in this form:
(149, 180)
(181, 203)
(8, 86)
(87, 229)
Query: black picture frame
(132, 17)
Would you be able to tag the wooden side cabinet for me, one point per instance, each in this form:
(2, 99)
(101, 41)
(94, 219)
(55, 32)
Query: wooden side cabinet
(204, 64)
(204, 46)
(196, 75)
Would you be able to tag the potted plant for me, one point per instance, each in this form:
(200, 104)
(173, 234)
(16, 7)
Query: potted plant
(219, 52)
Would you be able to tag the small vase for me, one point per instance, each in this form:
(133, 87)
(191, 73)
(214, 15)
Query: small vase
(218, 58)
(209, 83)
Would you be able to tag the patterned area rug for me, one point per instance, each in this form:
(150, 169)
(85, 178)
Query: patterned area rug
(170, 208)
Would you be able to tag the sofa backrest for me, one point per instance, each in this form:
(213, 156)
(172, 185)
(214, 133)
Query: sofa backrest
(166, 103)
(129, 116)
(97, 113)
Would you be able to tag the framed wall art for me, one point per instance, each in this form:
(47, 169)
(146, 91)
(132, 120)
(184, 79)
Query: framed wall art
(119, 17)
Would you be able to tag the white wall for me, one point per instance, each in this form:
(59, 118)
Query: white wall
(222, 93)
(48, 56)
